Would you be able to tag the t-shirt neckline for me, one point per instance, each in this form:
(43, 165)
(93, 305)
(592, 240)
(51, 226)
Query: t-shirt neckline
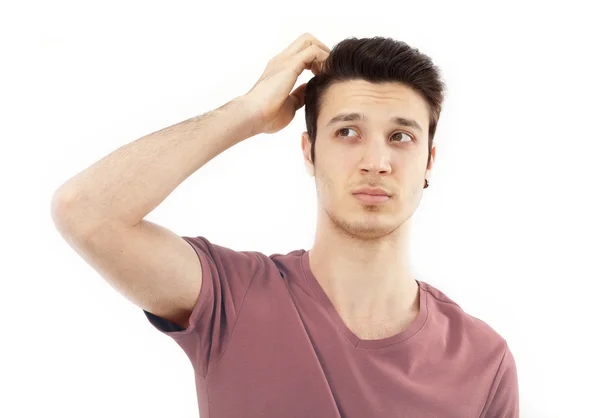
(357, 342)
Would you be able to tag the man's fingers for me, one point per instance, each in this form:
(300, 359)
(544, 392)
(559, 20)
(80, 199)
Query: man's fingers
(309, 58)
(298, 93)
(316, 67)
(302, 42)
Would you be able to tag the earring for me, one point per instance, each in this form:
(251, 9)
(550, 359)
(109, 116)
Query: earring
(426, 184)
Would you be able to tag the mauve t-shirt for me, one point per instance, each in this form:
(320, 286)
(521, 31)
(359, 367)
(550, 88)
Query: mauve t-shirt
(264, 340)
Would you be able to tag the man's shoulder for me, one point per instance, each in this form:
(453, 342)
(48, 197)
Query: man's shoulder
(459, 321)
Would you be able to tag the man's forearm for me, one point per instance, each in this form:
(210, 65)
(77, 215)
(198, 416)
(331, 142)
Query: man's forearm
(129, 183)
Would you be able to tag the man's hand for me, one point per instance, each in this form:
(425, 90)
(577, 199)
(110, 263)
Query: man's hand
(271, 93)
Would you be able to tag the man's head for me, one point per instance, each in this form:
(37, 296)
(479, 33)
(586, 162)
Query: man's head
(395, 93)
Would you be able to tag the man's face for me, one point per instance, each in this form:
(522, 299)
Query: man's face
(376, 152)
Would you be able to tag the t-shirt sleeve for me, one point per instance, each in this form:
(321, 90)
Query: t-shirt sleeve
(503, 400)
(226, 277)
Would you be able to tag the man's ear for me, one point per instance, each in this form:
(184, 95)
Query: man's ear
(306, 147)
(432, 160)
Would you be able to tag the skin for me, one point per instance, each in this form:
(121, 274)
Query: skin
(361, 251)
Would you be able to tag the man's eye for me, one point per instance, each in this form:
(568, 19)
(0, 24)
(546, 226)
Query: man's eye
(403, 133)
(344, 129)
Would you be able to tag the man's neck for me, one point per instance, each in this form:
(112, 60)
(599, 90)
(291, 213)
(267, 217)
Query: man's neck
(367, 281)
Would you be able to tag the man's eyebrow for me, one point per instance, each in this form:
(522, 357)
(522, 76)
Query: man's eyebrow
(347, 117)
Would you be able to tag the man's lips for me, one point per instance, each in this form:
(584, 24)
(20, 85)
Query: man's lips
(371, 198)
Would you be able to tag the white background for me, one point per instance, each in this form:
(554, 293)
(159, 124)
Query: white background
(508, 229)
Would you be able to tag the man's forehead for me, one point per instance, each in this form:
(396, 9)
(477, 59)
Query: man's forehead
(370, 99)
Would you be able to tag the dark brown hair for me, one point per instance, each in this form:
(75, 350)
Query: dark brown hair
(377, 60)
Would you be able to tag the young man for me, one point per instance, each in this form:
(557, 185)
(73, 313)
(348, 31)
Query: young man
(342, 330)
